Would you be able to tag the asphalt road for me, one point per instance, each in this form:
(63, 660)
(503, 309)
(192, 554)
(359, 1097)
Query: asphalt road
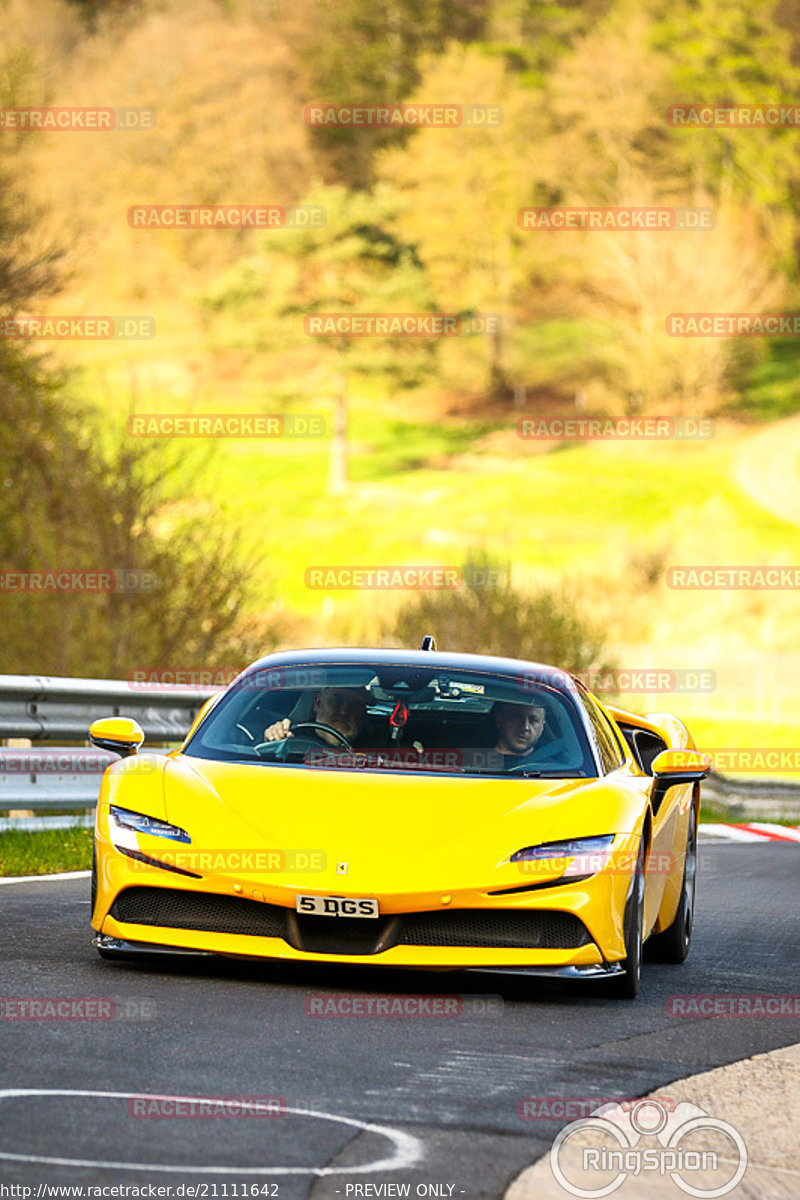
(441, 1094)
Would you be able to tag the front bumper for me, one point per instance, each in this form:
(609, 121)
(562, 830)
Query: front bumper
(597, 904)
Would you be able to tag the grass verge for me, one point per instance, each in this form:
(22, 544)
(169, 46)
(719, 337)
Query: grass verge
(45, 851)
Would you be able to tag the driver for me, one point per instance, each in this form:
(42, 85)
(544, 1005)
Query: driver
(343, 708)
(519, 729)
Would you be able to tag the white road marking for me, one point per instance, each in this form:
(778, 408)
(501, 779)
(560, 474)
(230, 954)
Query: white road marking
(45, 878)
(780, 833)
(728, 833)
(408, 1149)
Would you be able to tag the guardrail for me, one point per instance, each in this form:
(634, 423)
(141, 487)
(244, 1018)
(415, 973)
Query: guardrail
(45, 708)
(42, 707)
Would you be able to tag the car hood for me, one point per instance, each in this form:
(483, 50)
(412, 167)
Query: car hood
(396, 832)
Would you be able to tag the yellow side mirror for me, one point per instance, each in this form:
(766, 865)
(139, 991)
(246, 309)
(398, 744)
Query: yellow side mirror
(122, 735)
(681, 766)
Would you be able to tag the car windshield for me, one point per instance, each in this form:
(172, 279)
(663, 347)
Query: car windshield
(398, 718)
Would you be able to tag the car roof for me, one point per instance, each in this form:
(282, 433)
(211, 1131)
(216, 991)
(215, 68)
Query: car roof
(436, 659)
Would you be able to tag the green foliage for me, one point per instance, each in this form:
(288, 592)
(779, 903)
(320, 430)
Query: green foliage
(487, 615)
(354, 263)
(359, 54)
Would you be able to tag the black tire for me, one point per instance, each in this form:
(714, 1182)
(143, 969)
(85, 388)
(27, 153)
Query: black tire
(672, 946)
(626, 986)
(94, 879)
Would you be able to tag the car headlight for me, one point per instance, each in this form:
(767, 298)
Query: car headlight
(125, 822)
(587, 855)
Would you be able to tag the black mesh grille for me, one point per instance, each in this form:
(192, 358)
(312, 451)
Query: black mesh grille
(174, 908)
(177, 909)
(479, 927)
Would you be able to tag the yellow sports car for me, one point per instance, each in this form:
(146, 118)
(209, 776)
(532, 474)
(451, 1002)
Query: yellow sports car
(404, 809)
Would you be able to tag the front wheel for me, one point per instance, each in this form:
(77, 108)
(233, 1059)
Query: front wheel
(626, 986)
(672, 946)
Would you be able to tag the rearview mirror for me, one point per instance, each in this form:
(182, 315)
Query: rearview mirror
(122, 735)
(680, 766)
(673, 767)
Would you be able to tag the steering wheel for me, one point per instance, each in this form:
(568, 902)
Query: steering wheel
(304, 725)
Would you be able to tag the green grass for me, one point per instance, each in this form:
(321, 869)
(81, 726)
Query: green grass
(718, 815)
(45, 851)
(770, 391)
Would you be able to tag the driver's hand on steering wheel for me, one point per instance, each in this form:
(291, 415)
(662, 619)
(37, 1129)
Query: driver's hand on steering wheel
(278, 731)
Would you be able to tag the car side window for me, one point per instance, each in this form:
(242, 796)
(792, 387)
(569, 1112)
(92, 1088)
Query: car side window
(610, 753)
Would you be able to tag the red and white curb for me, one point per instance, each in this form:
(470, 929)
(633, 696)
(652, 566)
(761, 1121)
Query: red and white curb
(755, 831)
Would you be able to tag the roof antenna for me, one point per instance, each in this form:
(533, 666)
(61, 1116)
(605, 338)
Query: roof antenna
(428, 642)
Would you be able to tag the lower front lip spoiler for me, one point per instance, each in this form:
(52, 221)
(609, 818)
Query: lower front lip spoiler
(591, 971)
(112, 945)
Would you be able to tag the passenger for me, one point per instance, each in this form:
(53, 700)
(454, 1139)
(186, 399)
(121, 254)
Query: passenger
(519, 730)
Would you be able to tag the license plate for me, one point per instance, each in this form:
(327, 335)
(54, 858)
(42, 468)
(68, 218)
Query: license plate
(336, 906)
